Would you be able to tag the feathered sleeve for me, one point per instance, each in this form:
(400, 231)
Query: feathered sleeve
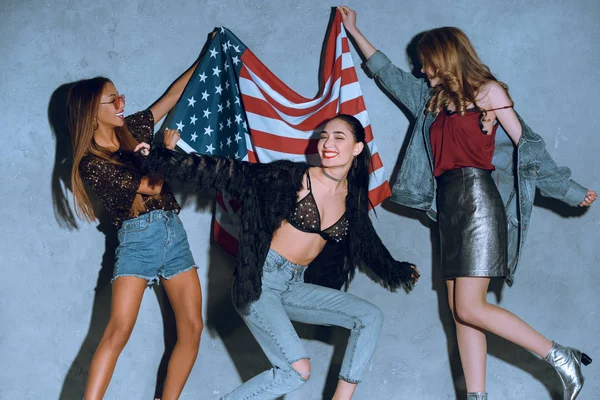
(373, 258)
(201, 172)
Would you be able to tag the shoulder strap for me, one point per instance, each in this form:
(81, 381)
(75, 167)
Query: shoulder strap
(500, 108)
(308, 178)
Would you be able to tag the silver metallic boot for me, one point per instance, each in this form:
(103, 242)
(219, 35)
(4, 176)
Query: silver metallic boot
(477, 396)
(567, 362)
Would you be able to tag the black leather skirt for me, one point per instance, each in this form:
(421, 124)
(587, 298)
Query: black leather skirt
(472, 223)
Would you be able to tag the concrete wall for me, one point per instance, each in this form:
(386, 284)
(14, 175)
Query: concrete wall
(54, 294)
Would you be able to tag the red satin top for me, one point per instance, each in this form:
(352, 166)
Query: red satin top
(458, 141)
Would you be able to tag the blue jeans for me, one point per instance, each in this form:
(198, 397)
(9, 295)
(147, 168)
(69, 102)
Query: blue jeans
(153, 245)
(286, 297)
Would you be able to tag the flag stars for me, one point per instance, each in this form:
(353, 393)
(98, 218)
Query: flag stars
(237, 137)
(208, 131)
(238, 119)
(202, 77)
(221, 145)
(210, 148)
(228, 141)
(206, 113)
(220, 107)
(193, 119)
(245, 125)
(235, 60)
(216, 71)
(226, 85)
(222, 29)
(228, 105)
(236, 48)
(180, 126)
(191, 102)
(228, 122)
(225, 47)
(237, 100)
(213, 53)
(218, 89)
(226, 66)
(205, 95)
(194, 137)
(220, 126)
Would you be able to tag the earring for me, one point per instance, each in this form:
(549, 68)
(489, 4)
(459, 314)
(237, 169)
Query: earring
(355, 162)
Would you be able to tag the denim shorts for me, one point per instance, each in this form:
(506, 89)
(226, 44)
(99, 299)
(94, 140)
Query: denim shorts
(153, 245)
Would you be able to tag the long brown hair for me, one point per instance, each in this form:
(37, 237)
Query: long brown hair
(82, 108)
(448, 53)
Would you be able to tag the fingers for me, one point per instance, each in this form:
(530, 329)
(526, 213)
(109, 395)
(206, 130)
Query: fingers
(143, 148)
(590, 197)
(172, 136)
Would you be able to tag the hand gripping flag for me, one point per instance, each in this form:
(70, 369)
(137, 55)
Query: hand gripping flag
(233, 106)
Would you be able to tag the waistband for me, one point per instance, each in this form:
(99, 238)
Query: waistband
(284, 263)
(464, 172)
(154, 215)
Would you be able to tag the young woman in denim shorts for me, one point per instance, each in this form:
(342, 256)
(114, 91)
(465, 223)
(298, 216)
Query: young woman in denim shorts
(152, 241)
(290, 213)
(457, 119)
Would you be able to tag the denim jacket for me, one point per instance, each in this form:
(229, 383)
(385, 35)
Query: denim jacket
(519, 169)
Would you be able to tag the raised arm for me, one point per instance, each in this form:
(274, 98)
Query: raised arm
(403, 86)
(164, 104)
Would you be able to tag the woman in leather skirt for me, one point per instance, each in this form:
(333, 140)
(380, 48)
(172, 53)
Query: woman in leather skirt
(469, 102)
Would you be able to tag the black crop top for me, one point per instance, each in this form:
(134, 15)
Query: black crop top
(306, 218)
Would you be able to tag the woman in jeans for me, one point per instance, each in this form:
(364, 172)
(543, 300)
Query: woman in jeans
(152, 241)
(290, 212)
(460, 115)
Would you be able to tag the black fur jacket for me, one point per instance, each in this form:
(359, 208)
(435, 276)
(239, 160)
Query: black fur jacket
(269, 194)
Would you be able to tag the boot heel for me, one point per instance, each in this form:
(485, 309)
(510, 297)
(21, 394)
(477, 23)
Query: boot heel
(585, 359)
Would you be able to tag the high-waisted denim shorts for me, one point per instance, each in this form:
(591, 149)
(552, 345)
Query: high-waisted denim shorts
(153, 245)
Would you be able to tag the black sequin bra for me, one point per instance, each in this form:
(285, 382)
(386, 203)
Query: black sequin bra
(306, 218)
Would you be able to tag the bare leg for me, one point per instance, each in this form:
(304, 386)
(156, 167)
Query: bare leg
(127, 293)
(186, 298)
(472, 346)
(344, 390)
(473, 308)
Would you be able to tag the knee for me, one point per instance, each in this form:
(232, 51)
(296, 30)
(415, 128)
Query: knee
(469, 312)
(117, 334)
(302, 367)
(190, 330)
(373, 317)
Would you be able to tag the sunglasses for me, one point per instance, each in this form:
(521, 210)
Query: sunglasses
(117, 101)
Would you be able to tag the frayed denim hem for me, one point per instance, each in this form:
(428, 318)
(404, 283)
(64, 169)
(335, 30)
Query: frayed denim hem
(343, 378)
(151, 280)
(177, 273)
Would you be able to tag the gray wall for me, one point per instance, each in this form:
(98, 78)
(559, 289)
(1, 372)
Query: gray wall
(52, 314)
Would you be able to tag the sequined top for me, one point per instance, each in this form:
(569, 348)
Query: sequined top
(116, 184)
(306, 218)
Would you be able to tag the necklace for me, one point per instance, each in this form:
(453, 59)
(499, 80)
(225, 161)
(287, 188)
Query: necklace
(331, 177)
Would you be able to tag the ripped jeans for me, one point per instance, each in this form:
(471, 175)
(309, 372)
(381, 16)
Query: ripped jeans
(286, 297)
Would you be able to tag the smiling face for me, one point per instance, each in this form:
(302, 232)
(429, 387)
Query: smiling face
(337, 146)
(111, 107)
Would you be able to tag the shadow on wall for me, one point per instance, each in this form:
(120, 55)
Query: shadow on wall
(497, 347)
(74, 383)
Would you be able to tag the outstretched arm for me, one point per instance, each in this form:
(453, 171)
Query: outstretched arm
(164, 104)
(403, 86)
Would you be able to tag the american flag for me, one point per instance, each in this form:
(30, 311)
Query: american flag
(233, 106)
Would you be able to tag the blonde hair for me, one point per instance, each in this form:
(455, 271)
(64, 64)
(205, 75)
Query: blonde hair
(448, 53)
(82, 108)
